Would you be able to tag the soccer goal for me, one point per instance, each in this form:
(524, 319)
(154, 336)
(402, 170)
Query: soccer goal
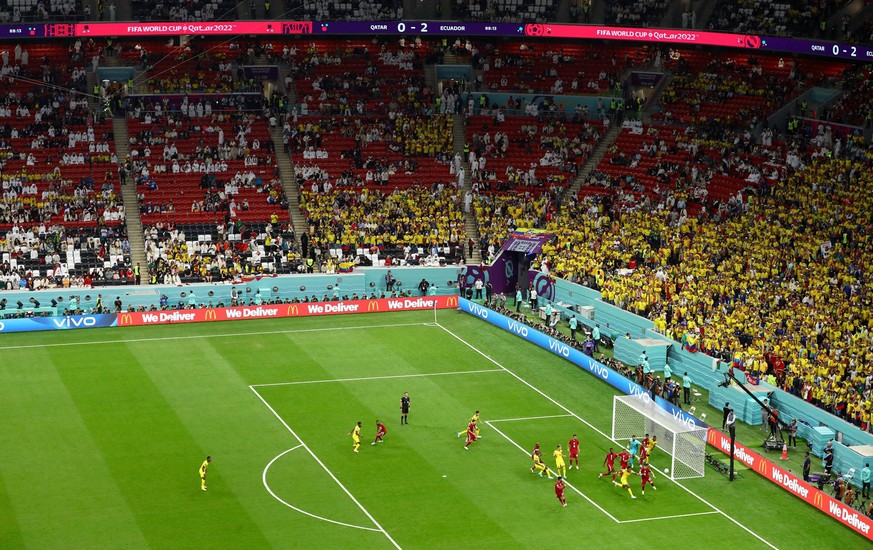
(637, 415)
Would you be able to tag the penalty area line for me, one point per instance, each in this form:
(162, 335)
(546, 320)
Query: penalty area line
(607, 437)
(296, 509)
(530, 417)
(386, 377)
(326, 469)
(710, 513)
(580, 493)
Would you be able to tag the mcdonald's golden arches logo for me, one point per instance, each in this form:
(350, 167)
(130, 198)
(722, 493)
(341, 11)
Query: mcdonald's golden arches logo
(452, 301)
(125, 319)
(762, 466)
(293, 310)
(211, 315)
(818, 499)
(713, 437)
(372, 305)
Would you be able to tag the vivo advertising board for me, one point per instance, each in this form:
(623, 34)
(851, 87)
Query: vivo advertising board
(32, 324)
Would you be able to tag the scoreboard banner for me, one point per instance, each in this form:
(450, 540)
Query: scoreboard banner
(327, 29)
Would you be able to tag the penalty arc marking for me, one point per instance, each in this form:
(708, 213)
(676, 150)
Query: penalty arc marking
(296, 509)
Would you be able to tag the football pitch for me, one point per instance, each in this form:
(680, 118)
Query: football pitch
(104, 430)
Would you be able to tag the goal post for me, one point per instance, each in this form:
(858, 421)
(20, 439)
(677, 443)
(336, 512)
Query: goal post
(637, 415)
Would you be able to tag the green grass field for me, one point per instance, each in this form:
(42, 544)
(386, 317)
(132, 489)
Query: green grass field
(104, 430)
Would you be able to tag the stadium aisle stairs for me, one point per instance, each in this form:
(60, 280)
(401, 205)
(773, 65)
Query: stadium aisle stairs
(289, 91)
(91, 79)
(128, 195)
(470, 223)
(289, 183)
(595, 158)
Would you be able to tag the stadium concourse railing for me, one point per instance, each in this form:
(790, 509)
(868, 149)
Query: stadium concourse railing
(754, 461)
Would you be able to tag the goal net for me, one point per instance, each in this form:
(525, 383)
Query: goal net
(637, 415)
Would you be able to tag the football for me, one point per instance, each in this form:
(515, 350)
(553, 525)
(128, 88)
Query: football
(666, 470)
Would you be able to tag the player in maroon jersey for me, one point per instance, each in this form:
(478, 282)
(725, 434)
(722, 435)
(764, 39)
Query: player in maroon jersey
(559, 491)
(573, 449)
(471, 435)
(624, 459)
(609, 462)
(381, 430)
(647, 475)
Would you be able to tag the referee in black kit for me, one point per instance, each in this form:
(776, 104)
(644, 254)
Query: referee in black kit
(404, 408)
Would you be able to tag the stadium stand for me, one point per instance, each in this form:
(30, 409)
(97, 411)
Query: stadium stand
(771, 18)
(177, 10)
(414, 226)
(505, 11)
(61, 215)
(553, 68)
(366, 10)
(635, 13)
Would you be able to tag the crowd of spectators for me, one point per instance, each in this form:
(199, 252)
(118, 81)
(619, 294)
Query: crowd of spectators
(395, 224)
(553, 68)
(362, 10)
(505, 11)
(189, 10)
(635, 13)
(768, 18)
(360, 78)
(219, 252)
(773, 282)
(394, 151)
(51, 10)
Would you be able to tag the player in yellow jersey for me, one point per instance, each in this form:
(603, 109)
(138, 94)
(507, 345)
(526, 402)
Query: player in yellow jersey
(203, 468)
(651, 445)
(538, 466)
(623, 483)
(473, 420)
(356, 436)
(560, 467)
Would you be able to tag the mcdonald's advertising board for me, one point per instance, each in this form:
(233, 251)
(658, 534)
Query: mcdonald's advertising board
(279, 311)
(793, 484)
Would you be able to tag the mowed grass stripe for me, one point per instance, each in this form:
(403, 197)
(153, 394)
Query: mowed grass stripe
(57, 482)
(11, 534)
(210, 397)
(150, 452)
